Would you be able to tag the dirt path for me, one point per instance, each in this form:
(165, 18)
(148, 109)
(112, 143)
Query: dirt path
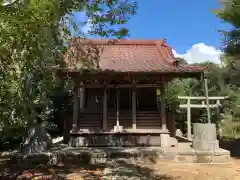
(184, 171)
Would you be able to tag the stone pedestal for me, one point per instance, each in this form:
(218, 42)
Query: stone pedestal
(165, 140)
(205, 137)
(118, 129)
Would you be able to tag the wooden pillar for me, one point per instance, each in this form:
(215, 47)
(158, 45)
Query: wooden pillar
(81, 91)
(105, 108)
(163, 107)
(164, 138)
(189, 130)
(80, 103)
(134, 123)
(75, 109)
(218, 116)
(207, 100)
(117, 123)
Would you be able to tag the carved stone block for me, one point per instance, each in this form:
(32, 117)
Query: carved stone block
(205, 137)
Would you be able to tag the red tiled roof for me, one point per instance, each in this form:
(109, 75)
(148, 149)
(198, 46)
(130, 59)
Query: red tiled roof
(139, 56)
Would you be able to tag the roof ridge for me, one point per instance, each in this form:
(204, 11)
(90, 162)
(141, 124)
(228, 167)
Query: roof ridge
(116, 41)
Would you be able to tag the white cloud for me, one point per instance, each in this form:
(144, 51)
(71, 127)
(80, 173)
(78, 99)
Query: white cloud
(199, 53)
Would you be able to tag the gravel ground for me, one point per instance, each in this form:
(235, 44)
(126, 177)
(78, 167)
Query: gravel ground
(166, 170)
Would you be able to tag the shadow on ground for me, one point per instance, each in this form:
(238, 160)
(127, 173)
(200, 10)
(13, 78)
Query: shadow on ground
(73, 171)
(50, 172)
(142, 173)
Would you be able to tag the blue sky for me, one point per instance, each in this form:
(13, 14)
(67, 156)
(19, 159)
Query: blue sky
(182, 22)
(190, 26)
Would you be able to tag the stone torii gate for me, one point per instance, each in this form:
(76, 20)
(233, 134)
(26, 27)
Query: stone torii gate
(206, 105)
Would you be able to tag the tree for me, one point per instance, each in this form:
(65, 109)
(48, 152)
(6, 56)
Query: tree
(230, 13)
(191, 87)
(181, 60)
(32, 36)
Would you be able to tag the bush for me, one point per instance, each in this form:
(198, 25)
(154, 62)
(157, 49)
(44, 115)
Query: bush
(229, 128)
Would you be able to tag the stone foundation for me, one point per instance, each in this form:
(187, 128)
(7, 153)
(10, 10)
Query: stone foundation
(84, 156)
(119, 140)
(102, 155)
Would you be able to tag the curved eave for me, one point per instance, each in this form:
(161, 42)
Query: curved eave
(174, 74)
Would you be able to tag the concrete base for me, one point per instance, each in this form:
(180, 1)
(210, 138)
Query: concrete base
(205, 145)
(118, 129)
(165, 140)
(195, 156)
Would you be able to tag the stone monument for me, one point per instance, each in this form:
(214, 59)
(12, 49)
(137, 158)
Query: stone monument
(38, 140)
(205, 137)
